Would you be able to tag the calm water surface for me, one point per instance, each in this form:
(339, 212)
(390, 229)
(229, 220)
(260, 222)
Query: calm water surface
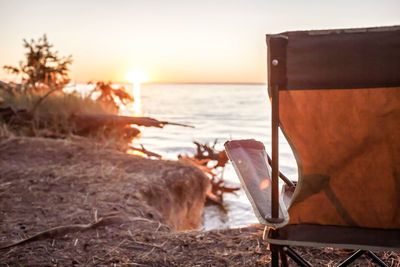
(222, 112)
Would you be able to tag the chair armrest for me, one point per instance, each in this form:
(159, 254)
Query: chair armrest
(250, 162)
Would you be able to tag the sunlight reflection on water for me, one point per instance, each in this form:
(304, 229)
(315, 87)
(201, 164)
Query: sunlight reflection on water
(133, 109)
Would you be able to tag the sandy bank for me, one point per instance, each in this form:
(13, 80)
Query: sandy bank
(47, 183)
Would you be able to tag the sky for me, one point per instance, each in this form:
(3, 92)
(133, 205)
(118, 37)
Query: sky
(174, 41)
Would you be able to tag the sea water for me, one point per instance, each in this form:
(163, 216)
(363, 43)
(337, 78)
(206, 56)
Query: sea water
(223, 112)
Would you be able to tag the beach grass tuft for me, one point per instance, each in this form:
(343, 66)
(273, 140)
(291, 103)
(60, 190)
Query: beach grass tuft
(53, 113)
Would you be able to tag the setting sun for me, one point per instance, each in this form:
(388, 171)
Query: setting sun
(136, 76)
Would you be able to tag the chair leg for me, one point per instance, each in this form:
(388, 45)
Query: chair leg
(352, 258)
(274, 255)
(280, 252)
(295, 257)
(376, 259)
(283, 257)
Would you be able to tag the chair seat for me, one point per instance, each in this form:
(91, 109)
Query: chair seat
(335, 236)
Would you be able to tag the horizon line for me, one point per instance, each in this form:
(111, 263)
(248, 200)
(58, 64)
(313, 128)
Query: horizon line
(145, 83)
(210, 83)
(215, 83)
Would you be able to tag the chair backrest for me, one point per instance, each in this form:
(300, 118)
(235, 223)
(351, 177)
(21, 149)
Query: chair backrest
(339, 107)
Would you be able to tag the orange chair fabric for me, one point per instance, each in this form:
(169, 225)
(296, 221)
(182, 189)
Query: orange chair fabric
(347, 144)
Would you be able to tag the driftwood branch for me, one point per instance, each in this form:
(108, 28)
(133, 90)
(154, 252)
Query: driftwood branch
(206, 151)
(109, 120)
(146, 152)
(63, 230)
(206, 154)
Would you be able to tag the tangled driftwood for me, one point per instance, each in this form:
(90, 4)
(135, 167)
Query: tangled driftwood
(210, 160)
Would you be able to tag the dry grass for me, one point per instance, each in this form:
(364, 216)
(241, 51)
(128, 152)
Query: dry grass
(53, 114)
(64, 103)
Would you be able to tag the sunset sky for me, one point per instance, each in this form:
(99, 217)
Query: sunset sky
(174, 41)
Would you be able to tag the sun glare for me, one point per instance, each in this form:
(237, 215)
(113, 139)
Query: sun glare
(136, 77)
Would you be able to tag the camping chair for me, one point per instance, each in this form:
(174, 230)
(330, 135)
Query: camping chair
(335, 95)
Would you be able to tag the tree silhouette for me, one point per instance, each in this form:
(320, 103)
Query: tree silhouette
(43, 71)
